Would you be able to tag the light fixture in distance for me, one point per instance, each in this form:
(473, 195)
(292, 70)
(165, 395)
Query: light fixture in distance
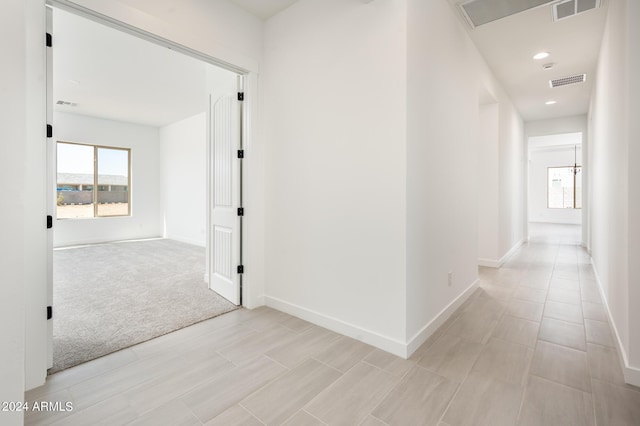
(550, 102)
(541, 55)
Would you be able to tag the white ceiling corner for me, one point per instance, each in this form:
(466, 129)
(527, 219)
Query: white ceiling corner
(264, 9)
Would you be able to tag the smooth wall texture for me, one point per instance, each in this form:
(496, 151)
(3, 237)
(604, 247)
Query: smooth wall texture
(442, 153)
(183, 178)
(488, 179)
(146, 217)
(13, 151)
(334, 90)
(613, 193)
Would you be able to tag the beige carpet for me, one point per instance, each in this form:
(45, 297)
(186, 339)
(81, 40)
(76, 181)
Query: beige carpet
(111, 296)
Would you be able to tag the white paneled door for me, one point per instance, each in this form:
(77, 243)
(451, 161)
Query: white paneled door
(225, 223)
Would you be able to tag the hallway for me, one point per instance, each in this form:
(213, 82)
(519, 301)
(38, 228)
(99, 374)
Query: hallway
(532, 346)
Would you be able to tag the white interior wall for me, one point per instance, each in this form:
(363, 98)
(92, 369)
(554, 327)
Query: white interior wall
(442, 154)
(488, 179)
(613, 192)
(539, 161)
(183, 177)
(146, 219)
(334, 108)
(14, 84)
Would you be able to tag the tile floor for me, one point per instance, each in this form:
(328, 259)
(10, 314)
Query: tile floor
(532, 346)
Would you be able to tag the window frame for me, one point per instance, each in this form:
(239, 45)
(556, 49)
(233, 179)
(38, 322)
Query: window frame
(574, 166)
(95, 184)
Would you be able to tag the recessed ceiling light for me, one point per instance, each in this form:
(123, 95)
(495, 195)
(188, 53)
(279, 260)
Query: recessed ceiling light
(541, 55)
(550, 102)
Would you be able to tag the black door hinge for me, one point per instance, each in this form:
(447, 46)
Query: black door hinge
(241, 269)
(49, 40)
(241, 96)
(49, 221)
(241, 153)
(240, 211)
(49, 131)
(49, 312)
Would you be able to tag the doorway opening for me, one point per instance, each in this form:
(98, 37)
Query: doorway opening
(555, 170)
(169, 259)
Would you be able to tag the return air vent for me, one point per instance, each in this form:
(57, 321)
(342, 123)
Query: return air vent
(567, 8)
(565, 81)
(480, 12)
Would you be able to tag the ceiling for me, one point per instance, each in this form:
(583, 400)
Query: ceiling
(113, 75)
(264, 9)
(508, 46)
(140, 82)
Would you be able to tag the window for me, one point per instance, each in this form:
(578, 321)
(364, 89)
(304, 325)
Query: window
(564, 189)
(92, 181)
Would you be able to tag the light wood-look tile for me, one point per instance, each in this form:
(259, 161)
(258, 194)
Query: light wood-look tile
(343, 353)
(255, 345)
(38, 417)
(389, 362)
(482, 401)
(591, 295)
(493, 291)
(372, 421)
(473, 327)
(594, 311)
(536, 281)
(276, 402)
(486, 306)
(303, 346)
(598, 332)
(517, 330)
(564, 296)
(302, 418)
(113, 411)
(604, 364)
(234, 416)
(451, 357)
(549, 403)
(226, 390)
(530, 294)
(563, 333)
(420, 398)
(562, 365)
(352, 397)
(615, 405)
(174, 413)
(504, 361)
(564, 284)
(296, 324)
(563, 311)
(524, 309)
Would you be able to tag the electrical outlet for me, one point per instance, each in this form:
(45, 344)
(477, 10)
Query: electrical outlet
(450, 279)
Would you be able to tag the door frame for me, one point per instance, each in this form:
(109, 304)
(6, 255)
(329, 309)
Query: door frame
(244, 67)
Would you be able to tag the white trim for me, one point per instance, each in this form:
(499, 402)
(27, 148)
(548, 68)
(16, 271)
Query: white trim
(631, 374)
(385, 343)
(491, 263)
(420, 337)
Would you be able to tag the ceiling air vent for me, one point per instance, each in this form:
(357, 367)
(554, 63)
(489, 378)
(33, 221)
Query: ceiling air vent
(567, 8)
(479, 12)
(565, 81)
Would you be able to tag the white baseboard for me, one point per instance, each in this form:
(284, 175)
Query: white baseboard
(491, 263)
(186, 240)
(420, 337)
(631, 374)
(372, 338)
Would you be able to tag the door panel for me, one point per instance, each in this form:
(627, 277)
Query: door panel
(225, 223)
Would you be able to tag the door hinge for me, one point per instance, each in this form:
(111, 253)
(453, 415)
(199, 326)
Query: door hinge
(49, 221)
(49, 131)
(241, 269)
(241, 96)
(49, 312)
(240, 211)
(241, 153)
(49, 40)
